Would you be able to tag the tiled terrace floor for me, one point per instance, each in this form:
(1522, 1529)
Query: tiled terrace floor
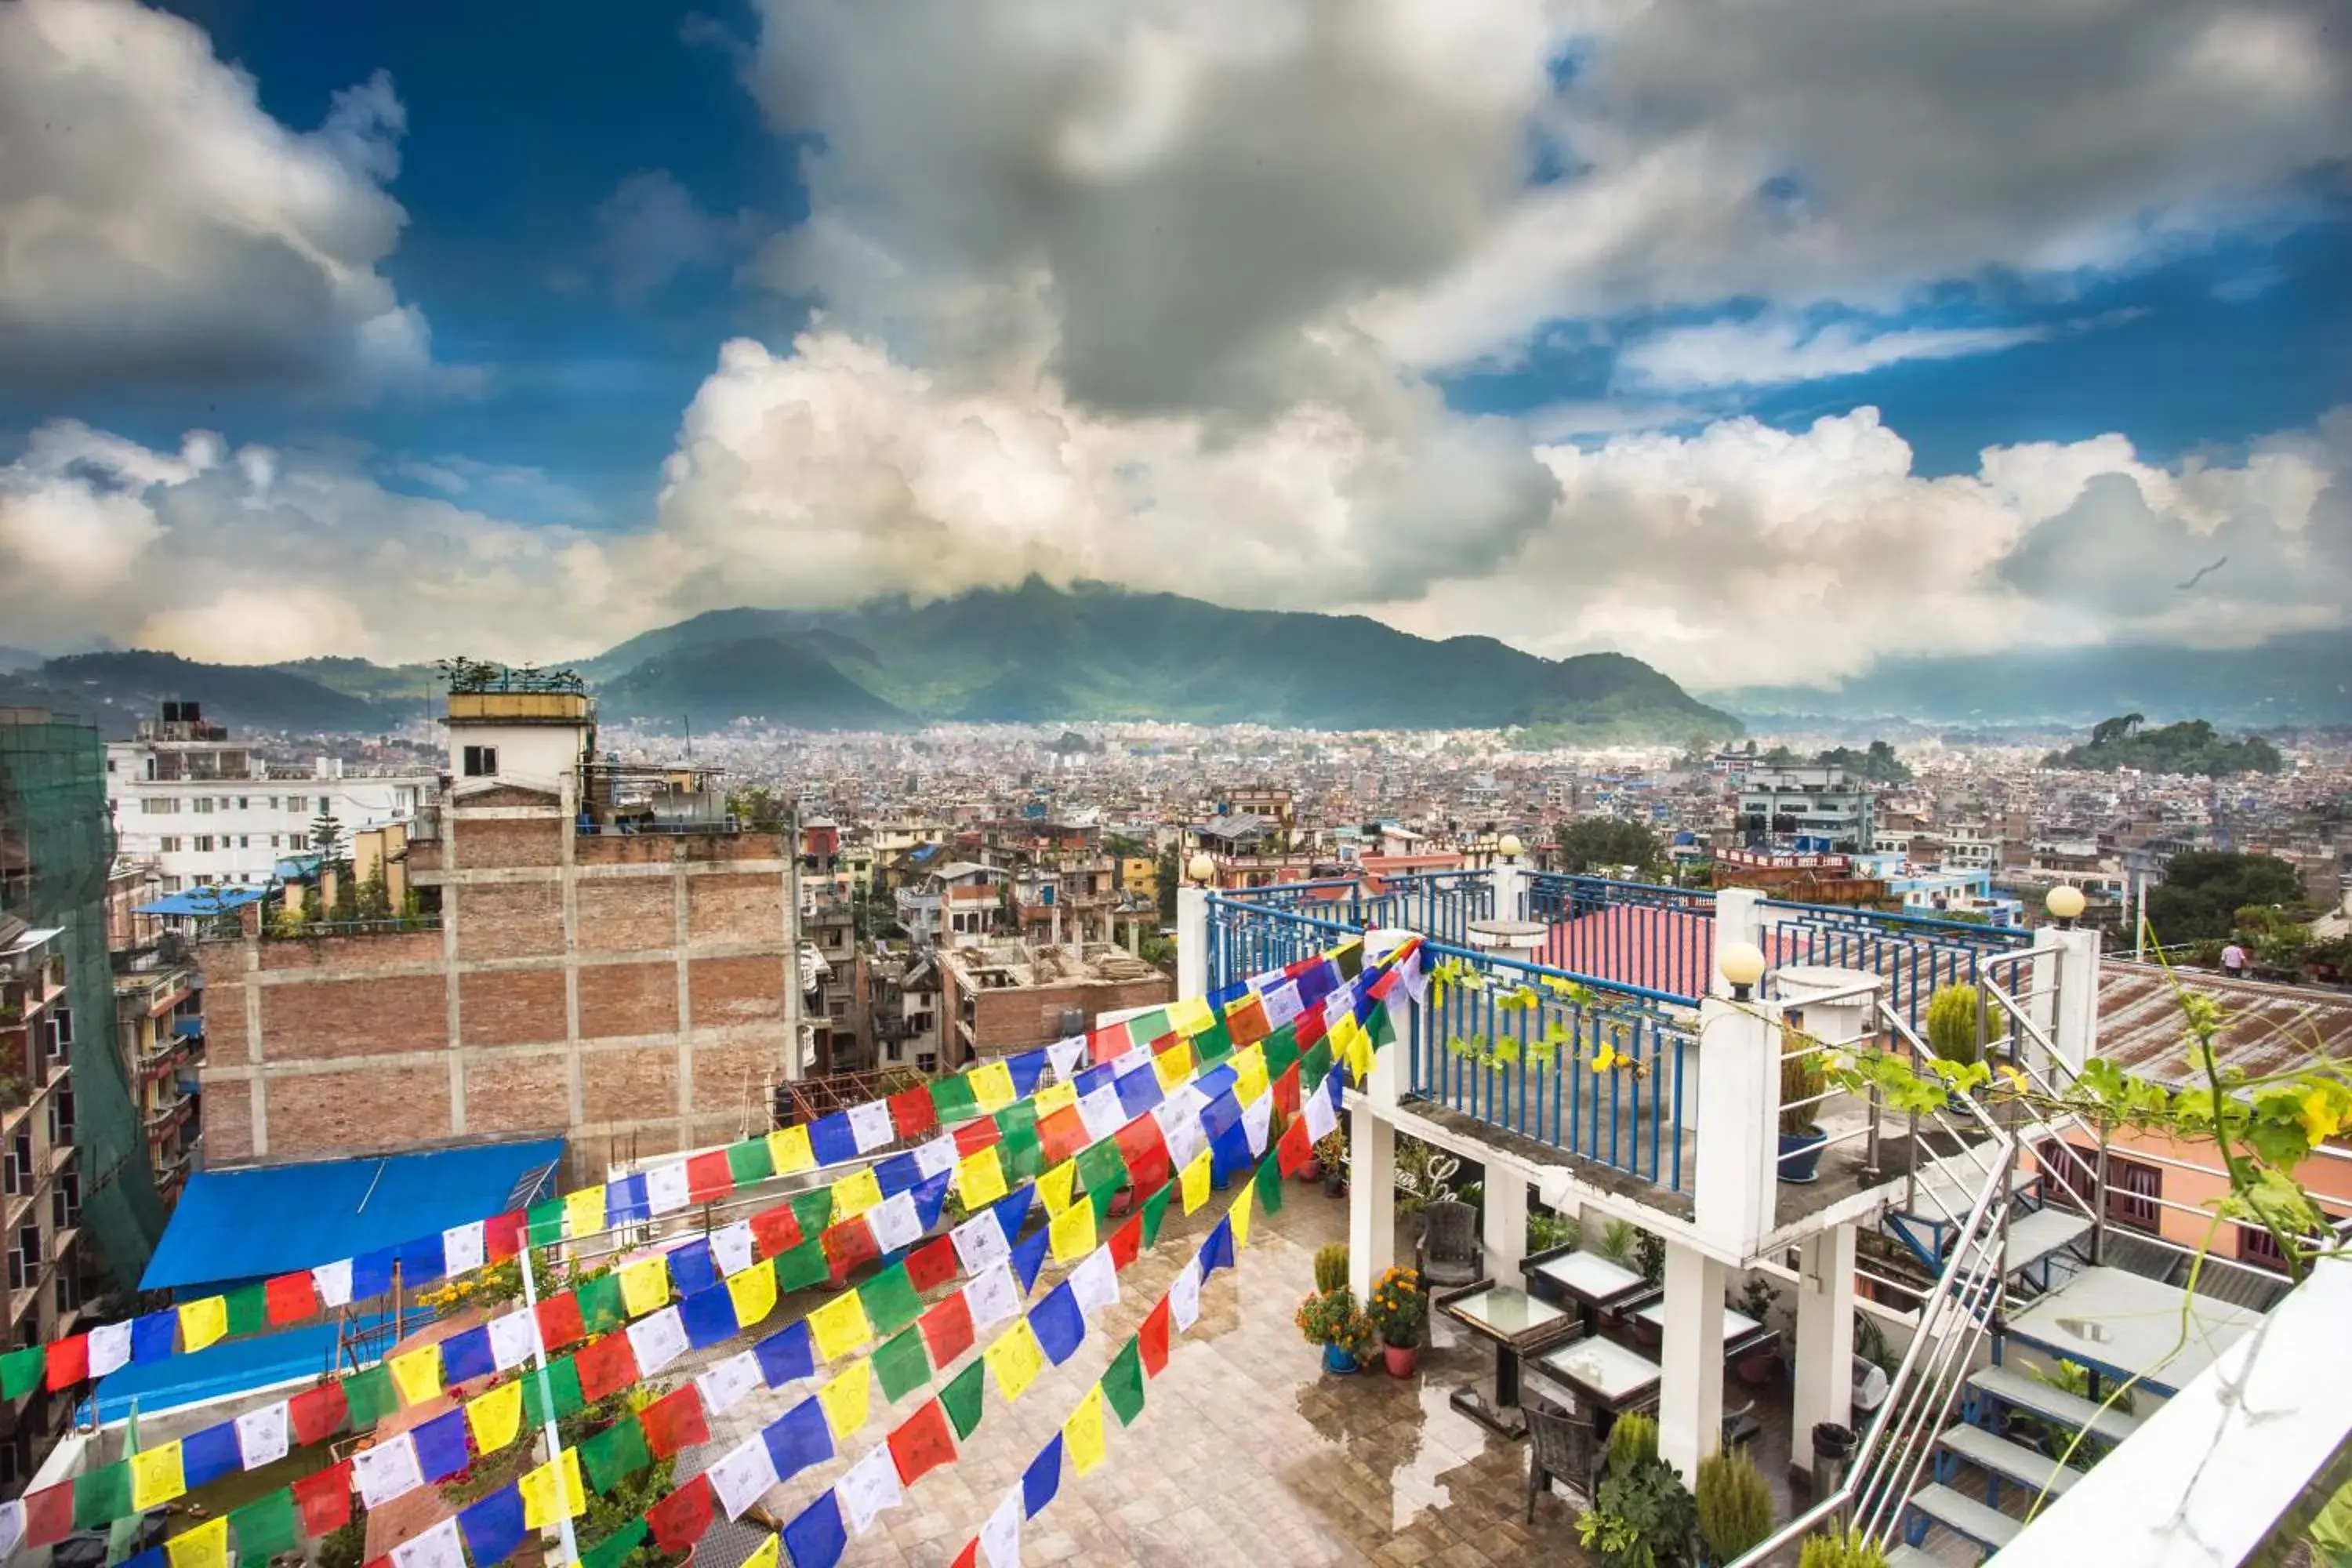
(1244, 1450)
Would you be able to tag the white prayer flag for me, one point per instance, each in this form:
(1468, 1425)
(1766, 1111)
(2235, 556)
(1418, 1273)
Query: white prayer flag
(1000, 1538)
(1282, 1005)
(897, 1225)
(980, 1241)
(731, 1249)
(666, 1188)
(1138, 1059)
(869, 1126)
(438, 1547)
(333, 1282)
(742, 1475)
(463, 1249)
(1257, 1120)
(938, 1156)
(514, 1339)
(870, 1486)
(724, 1384)
(1066, 1057)
(1094, 1282)
(994, 1296)
(387, 1470)
(110, 1348)
(12, 1527)
(1320, 1115)
(658, 1340)
(1185, 1298)
(1102, 1113)
(262, 1435)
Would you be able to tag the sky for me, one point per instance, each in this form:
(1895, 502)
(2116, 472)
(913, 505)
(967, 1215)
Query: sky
(1759, 341)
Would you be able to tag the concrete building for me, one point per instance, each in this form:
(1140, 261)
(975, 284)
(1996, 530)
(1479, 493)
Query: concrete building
(996, 998)
(1806, 802)
(204, 811)
(599, 953)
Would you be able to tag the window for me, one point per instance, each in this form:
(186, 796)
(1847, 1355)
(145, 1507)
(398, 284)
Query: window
(168, 845)
(273, 803)
(202, 843)
(245, 803)
(204, 805)
(243, 841)
(2258, 1247)
(171, 884)
(60, 1031)
(325, 805)
(2133, 1189)
(926, 1061)
(276, 840)
(481, 762)
(159, 806)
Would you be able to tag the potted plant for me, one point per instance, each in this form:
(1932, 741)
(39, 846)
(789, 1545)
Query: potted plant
(1334, 1320)
(1400, 1312)
(1332, 1150)
(1735, 1506)
(1952, 1023)
(1756, 1300)
(1642, 1515)
(1850, 1548)
(1802, 1080)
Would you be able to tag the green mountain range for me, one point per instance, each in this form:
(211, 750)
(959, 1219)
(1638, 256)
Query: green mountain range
(1034, 654)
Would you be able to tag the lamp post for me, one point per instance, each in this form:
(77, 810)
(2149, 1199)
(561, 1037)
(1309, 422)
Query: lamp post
(1742, 964)
(1200, 870)
(2064, 904)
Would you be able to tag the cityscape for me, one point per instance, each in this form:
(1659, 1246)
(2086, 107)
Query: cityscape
(1414, 784)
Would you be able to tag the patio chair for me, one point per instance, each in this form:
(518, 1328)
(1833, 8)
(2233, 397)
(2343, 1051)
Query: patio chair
(1561, 1447)
(1448, 1253)
(1741, 1427)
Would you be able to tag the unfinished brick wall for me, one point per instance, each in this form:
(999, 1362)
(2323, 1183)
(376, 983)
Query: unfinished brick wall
(509, 920)
(517, 1094)
(508, 842)
(731, 991)
(329, 1019)
(318, 1114)
(627, 999)
(510, 1006)
(1017, 1020)
(623, 914)
(734, 909)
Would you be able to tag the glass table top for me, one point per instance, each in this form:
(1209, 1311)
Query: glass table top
(1590, 1277)
(1505, 1310)
(1602, 1366)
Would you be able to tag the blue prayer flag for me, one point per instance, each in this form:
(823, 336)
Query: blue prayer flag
(830, 1138)
(817, 1537)
(1042, 1479)
(708, 1316)
(1059, 1324)
(898, 1173)
(1011, 1211)
(1217, 1249)
(785, 1355)
(1223, 1111)
(1094, 1077)
(1224, 995)
(441, 1449)
(798, 1439)
(153, 1336)
(422, 1259)
(625, 1199)
(691, 1268)
(931, 1199)
(1139, 1091)
(372, 1273)
(208, 1455)
(1028, 1257)
(1027, 1068)
(493, 1527)
(466, 1355)
(1218, 1080)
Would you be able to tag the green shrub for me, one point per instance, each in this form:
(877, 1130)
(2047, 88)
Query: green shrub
(1330, 1267)
(1640, 1518)
(1802, 1078)
(1633, 1441)
(1735, 1506)
(1952, 1023)
(1852, 1549)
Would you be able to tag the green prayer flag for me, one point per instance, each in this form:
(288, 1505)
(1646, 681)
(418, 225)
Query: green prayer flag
(1122, 1382)
(890, 1300)
(813, 1209)
(546, 1222)
(1315, 1066)
(1379, 1029)
(1102, 1197)
(21, 1371)
(1155, 1211)
(961, 1399)
(614, 1548)
(750, 1160)
(1101, 1164)
(1350, 958)
(952, 1099)
(1213, 1044)
(248, 1309)
(1281, 1051)
(600, 1310)
(563, 1390)
(802, 1267)
(1024, 1158)
(1268, 1182)
(266, 1527)
(902, 1363)
(1148, 1028)
(616, 1453)
(370, 1396)
(102, 1496)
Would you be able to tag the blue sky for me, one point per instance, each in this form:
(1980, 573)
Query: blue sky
(1627, 337)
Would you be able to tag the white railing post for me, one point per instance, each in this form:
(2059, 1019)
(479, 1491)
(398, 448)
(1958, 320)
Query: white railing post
(1737, 1125)
(1192, 943)
(1824, 1361)
(1690, 1349)
(1738, 917)
(1372, 1138)
(2076, 1034)
(1509, 881)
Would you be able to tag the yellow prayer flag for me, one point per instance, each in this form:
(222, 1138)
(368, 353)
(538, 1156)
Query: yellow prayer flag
(1173, 1065)
(495, 1418)
(1241, 1217)
(1191, 1016)
(853, 1196)
(845, 1398)
(1082, 1433)
(156, 1477)
(206, 1546)
(991, 1086)
(542, 1505)
(1057, 1185)
(1344, 1035)
(762, 1555)
(1054, 1096)
(1196, 1182)
(980, 1179)
(1016, 1358)
(584, 1212)
(839, 1326)
(1359, 1057)
(1072, 1234)
(645, 1286)
(753, 1291)
(1249, 1075)
(790, 1148)
(204, 1322)
(416, 1374)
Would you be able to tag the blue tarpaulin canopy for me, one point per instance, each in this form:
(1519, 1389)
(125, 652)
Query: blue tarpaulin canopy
(235, 1225)
(234, 1366)
(201, 902)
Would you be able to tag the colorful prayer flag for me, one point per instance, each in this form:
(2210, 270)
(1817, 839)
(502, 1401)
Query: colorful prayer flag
(1016, 1358)
(839, 1327)
(920, 1444)
(1082, 1433)
(991, 1086)
(205, 1546)
(854, 1194)
(416, 1374)
(845, 1399)
(202, 1323)
(553, 1491)
(789, 1152)
(495, 1418)
(584, 1212)
(645, 1286)
(155, 1477)
(753, 1294)
(980, 1179)
(1072, 1234)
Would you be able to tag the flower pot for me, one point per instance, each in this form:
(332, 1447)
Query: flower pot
(1122, 1201)
(1800, 1155)
(1403, 1361)
(1335, 1180)
(1312, 1171)
(1338, 1358)
(1755, 1371)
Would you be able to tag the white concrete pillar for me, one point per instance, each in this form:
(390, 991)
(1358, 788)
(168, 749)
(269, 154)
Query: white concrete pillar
(1738, 917)
(1824, 1348)
(1738, 1125)
(1371, 1195)
(1510, 884)
(1192, 943)
(2076, 1033)
(1690, 1394)
(1505, 1222)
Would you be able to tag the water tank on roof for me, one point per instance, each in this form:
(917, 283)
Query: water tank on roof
(1074, 1022)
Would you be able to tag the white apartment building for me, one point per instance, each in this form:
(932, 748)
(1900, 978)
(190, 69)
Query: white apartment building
(208, 812)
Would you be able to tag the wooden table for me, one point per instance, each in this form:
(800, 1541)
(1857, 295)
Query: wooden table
(1742, 1333)
(1517, 1323)
(1609, 1375)
(1591, 1281)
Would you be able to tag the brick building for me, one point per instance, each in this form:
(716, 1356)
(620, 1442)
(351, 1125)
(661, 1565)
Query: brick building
(1000, 997)
(601, 954)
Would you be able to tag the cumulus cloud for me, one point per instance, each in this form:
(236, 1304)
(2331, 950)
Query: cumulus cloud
(1771, 354)
(161, 227)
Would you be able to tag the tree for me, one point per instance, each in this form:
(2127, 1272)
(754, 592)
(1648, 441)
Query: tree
(2204, 890)
(1170, 866)
(1600, 842)
(2188, 747)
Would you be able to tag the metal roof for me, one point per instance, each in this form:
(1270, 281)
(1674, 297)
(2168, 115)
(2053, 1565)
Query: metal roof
(235, 1225)
(202, 901)
(2265, 1028)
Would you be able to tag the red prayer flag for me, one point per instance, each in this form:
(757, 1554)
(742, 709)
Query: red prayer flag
(969, 1556)
(323, 1499)
(979, 1132)
(1246, 1021)
(947, 1329)
(850, 1244)
(708, 1176)
(1108, 1043)
(1389, 981)
(675, 1420)
(1127, 1241)
(932, 1265)
(922, 1443)
(502, 1235)
(559, 1323)
(1310, 1028)
(1152, 1340)
(68, 1361)
(291, 1297)
(679, 1519)
(607, 1366)
(912, 1113)
(775, 1231)
(1145, 1154)
(317, 1414)
(1061, 1135)
(1286, 1091)
(49, 1514)
(1294, 1148)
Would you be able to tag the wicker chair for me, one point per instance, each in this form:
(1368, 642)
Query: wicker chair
(1561, 1447)
(1449, 1253)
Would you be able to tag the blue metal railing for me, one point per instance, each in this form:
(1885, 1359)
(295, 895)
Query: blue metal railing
(1436, 903)
(1915, 955)
(1666, 941)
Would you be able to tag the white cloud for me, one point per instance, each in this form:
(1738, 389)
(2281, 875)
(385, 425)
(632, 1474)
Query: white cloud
(1771, 354)
(162, 227)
